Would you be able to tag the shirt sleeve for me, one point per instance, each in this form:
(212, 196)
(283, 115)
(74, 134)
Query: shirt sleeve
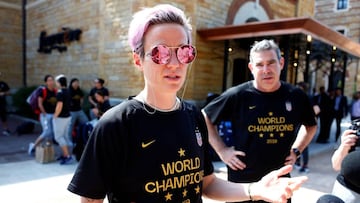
(92, 92)
(60, 96)
(106, 92)
(87, 180)
(102, 163)
(308, 114)
(221, 108)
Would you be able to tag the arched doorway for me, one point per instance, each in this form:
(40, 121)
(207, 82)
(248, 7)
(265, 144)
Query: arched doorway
(242, 12)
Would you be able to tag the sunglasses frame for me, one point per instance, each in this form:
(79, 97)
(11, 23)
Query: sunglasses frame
(158, 60)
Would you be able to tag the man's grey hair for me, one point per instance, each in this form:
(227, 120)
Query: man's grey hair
(264, 45)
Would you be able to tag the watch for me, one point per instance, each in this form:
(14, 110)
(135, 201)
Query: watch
(297, 152)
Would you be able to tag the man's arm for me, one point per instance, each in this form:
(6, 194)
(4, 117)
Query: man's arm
(91, 100)
(58, 109)
(348, 139)
(270, 188)
(88, 200)
(303, 139)
(227, 154)
(41, 106)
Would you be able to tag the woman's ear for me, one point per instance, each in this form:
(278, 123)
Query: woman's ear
(137, 61)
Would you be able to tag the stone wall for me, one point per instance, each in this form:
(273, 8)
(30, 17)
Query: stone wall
(11, 42)
(82, 57)
(103, 50)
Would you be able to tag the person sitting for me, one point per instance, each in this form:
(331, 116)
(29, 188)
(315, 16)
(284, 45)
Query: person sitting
(98, 85)
(102, 104)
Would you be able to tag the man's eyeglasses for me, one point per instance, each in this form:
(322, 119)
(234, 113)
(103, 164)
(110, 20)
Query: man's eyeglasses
(161, 54)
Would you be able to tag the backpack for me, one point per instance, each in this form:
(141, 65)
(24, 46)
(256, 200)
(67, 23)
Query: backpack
(32, 99)
(81, 139)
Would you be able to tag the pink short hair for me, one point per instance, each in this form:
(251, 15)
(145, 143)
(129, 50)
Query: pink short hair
(160, 14)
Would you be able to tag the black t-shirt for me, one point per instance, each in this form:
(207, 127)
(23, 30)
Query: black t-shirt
(103, 107)
(76, 96)
(3, 88)
(63, 96)
(134, 156)
(49, 102)
(94, 90)
(264, 125)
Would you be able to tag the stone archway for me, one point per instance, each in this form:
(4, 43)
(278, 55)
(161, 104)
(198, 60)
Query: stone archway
(233, 13)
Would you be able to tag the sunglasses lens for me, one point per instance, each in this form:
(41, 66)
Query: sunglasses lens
(186, 54)
(161, 54)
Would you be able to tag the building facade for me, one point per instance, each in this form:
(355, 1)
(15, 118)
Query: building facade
(11, 42)
(102, 49)
(342, 16)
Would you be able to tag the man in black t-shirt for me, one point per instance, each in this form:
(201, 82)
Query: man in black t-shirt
(98, 86)
(4, 91)
(61, 120)
(102, 104)
(153, 147)
(266, 115)
(47, 103)
(77, 114)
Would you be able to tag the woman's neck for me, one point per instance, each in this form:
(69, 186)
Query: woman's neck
(162, 101)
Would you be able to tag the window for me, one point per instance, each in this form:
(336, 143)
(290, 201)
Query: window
(342, 4)
(341, 31)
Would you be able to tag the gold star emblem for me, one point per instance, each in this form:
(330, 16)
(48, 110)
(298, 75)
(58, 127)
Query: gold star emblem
(261, 135)
(197, 189)
(271, 134)
(181, 152)
(168, 196)
(184, 193)
(271, 113)
(281, 134)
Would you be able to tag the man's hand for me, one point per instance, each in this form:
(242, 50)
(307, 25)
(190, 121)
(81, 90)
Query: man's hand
(348, 139)
(229, 156)
(291, 159)
(272, 188)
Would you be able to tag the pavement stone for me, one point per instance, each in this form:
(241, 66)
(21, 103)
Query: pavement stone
(22, 179)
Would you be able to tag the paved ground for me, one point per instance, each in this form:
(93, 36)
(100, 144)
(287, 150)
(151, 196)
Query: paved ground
(22, 179)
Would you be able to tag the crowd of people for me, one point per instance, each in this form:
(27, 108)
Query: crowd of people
(61, 109)
(272, 123)
(333, 106)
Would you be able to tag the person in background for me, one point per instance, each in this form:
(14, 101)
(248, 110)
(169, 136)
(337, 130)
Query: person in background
(102, 104)
(355, 107)
(303, 167)
(98, 85)
(346, 160)
(324, 102)
(62, 118)
(47, 104)
(77, 114)
(152, 147)
(340, 110)
(265, 114)
(4, 91)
